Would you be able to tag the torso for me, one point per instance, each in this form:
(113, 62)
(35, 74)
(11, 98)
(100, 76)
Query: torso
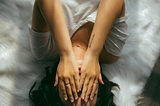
(82, 35)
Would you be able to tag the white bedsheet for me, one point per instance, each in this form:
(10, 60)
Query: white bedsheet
(19, 69)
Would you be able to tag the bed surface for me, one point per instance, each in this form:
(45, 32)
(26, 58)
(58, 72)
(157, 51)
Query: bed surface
(19, 69)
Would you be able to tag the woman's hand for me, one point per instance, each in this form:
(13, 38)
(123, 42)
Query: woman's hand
(68, 73)
(90, 72)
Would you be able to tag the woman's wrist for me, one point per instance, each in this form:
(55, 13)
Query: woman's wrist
(69, 53)
(92, 54)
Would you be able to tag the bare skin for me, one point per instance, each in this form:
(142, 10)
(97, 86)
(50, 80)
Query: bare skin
(42, 21)
(108, 11)
(79, 53)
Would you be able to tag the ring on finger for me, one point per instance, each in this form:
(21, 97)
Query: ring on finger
(95, 82)
(67, 83)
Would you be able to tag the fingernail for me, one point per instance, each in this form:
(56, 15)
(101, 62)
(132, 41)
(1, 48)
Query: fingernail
(76, 97)
(72, 100)
(82, 97)
(86, 100)
(91, 98)
(65, 99)
(77, 90)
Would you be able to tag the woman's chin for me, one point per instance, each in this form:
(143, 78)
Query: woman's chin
(80, 102)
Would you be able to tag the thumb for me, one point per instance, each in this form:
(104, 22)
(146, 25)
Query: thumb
(56, 80)
(100, 79)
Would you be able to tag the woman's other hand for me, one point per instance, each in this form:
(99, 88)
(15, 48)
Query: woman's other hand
(67, 72)
(90, 73)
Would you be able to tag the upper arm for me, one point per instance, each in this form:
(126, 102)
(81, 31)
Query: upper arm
(112, 8)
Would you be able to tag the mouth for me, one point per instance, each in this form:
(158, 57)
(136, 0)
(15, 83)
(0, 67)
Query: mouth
(80, 92)
(79, 68)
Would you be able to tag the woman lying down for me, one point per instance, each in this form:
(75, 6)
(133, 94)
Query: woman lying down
(49, 95)
(81, 34)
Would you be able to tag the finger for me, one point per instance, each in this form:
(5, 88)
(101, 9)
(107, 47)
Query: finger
(100, 79)
(68, 89)
(81, 81)
(76, 79)
(95, 85)
(90, 87)
(56, 80)
(62, 85)
(85, 88)
(73, 87)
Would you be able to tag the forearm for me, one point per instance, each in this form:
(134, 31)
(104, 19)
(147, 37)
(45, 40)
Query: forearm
(108, 12)
(52, 11)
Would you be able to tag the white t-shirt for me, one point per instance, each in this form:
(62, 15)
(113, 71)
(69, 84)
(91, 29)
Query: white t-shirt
(78, 12)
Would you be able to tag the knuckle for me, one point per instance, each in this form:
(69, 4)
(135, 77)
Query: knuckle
(93, 91)
(71, 84)
(80, 86)
(91, 94)
(87, 83)
(77, 85)
(83, 93)
(64, 93)
(92, 88)
(60, 76)
(87, 95)
(70, 96)
(94, 75)
(61, 86)
(67, 88)
(65, 76)
(75, 93)
(76, 79)
(75, 72)
(72, 87)
(82, 81)
(85, 90)
(82, 78)
(96, 85)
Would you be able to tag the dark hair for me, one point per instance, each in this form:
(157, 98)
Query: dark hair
(48, 95)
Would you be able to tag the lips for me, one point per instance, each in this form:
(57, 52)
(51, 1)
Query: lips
(79, 68)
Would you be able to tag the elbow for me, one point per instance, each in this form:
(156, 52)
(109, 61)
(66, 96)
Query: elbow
(112, 61)
(109, 60)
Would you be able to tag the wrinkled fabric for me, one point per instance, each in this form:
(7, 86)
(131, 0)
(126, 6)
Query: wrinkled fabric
(77, 13)
(117, 37)
(19, 69)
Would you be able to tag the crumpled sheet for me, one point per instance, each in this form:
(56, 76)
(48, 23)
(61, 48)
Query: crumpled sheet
(19, 69)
